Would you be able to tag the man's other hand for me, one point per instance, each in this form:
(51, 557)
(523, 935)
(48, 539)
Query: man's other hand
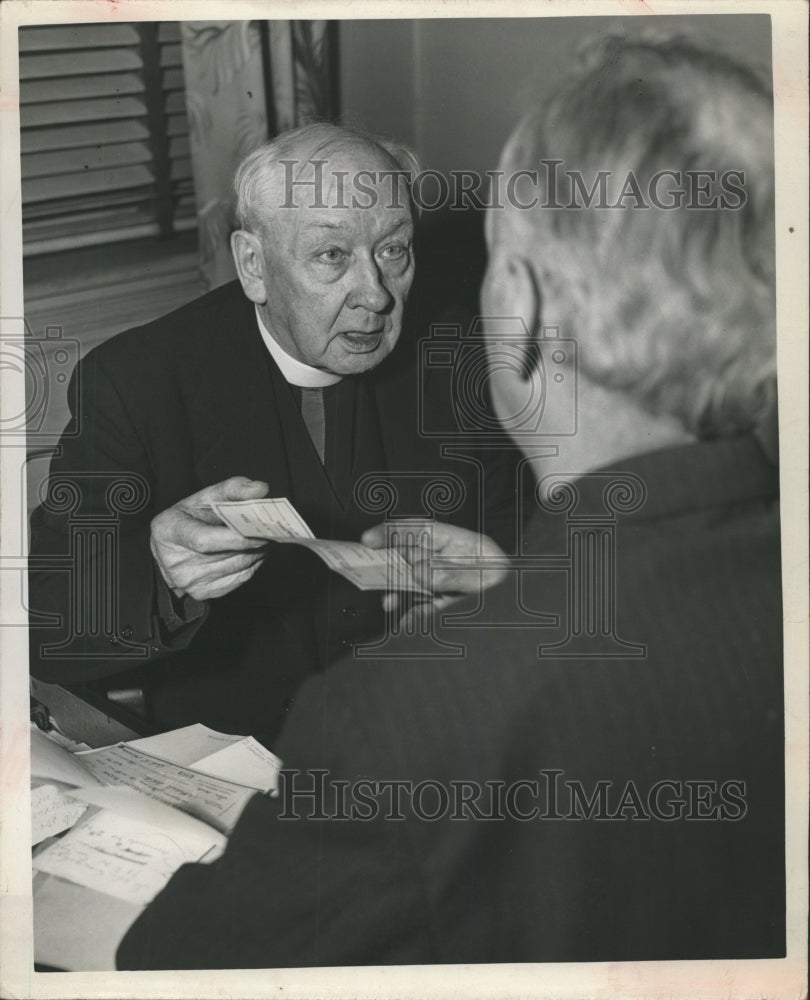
(198, 555)
(460, 561)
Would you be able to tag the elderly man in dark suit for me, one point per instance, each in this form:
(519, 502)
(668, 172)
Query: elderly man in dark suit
(605, 783)
(284, 384)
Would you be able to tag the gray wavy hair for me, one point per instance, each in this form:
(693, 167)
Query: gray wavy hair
(257, 171)
(675, 307)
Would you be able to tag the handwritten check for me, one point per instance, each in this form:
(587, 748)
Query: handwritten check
(210, 799)
(277, 520)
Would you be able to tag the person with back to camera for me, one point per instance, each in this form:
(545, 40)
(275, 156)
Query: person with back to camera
(642, 796)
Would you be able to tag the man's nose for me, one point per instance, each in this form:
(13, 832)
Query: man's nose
(368, 289)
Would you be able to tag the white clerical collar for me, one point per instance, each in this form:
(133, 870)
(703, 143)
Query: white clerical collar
(294, 371)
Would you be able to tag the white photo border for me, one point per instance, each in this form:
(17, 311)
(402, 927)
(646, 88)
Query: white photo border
(772, 978)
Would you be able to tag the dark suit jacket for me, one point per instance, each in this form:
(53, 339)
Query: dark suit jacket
(165, 410)
(684, 858)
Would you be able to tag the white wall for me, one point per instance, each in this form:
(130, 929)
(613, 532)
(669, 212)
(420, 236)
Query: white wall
(454, 88)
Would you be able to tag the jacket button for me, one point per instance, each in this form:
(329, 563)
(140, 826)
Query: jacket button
(349, 612)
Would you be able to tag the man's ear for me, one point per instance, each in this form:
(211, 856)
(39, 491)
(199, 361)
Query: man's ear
(510, 293)
(248, 256)
(528, 303)
(510, 289)
(525, 293)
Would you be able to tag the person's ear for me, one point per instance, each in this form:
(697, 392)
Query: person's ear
(248, 256)
(524, 293)
(510, 289)
(510, 293)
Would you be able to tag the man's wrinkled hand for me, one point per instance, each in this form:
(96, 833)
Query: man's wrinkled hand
(460, 562)
(198, 555)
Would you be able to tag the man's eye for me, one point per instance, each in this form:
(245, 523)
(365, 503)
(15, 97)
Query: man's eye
(394, 252)
(331, 256)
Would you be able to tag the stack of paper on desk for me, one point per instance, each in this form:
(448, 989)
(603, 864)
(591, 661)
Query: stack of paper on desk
(153, 813)
(277, 520)
(235, 758)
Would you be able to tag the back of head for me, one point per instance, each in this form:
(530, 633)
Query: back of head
(653, 243)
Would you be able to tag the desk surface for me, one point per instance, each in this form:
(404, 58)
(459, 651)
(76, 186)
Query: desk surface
(77, 929)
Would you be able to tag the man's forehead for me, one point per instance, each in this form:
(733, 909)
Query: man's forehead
(330, 177)
(378, 220)
(354, 186)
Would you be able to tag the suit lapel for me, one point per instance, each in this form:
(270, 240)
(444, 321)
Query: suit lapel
(406, 449)
(234, 413)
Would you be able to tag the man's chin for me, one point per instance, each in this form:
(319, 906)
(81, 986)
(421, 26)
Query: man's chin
(362, 357)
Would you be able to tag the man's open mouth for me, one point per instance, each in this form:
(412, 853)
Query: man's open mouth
(361, 343)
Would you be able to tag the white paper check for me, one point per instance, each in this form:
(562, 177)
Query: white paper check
(277, 520)
(273, 518)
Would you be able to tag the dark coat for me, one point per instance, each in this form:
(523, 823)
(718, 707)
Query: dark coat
(184, 402)
(684, 859)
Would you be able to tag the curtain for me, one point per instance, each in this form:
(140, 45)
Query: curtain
(245, 82)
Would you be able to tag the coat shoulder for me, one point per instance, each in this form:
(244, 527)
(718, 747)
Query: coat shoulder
(200, 329)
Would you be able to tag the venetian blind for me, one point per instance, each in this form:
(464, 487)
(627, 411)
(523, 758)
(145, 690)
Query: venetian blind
(104, 134)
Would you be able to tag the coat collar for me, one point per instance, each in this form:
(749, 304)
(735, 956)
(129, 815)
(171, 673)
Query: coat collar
(234, 406)
(670, 482)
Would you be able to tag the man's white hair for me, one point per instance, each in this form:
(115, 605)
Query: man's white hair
(675, 307)
(258, 172)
